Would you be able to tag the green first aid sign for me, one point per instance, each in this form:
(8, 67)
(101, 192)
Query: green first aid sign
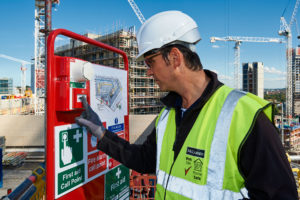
(117, 183)
(70, 146)
(70, 178)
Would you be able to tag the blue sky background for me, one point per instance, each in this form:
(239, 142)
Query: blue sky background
(254, 18)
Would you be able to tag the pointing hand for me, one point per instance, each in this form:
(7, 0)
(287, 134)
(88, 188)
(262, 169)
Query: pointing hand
(90, 120)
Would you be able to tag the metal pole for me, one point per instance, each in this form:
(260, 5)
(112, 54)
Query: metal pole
(282, 127)
(48, 7)
(237, 64)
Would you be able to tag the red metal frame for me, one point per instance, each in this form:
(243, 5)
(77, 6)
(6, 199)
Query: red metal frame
(50, 101)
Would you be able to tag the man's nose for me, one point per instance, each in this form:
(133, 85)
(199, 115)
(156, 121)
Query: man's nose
(149, 72)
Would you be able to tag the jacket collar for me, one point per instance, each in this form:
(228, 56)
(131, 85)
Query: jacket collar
(174, 100)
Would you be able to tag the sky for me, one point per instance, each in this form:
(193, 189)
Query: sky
(220, 18)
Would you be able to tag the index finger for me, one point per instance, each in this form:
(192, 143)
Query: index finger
(84, 102)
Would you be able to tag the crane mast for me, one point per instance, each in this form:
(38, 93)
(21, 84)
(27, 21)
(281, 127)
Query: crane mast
(42, 19)
(137, 11)
(238, 40)
(285, 30)
(39, 59)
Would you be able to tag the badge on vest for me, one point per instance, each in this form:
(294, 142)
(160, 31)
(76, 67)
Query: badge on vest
(195, 152)
(194, 163)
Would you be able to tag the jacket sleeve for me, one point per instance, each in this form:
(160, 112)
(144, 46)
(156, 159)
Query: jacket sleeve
(141, 158)
(264, 164)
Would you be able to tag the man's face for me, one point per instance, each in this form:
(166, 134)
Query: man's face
(159, 70)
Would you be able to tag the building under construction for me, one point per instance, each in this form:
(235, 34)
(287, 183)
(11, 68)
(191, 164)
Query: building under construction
(144, 93)
(253, 78)
(296, 81)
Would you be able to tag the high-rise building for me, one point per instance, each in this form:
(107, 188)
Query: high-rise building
(253, 78)
(144, 92)
(296, 81)
(6, 86)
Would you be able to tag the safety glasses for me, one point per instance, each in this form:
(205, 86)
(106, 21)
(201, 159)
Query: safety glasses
(149, 61)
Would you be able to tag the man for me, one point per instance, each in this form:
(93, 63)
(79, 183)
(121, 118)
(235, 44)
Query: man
(209, 141)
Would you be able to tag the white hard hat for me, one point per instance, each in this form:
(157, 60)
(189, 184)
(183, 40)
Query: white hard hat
(164, 28)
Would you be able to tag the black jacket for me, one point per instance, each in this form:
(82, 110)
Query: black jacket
(262, 161)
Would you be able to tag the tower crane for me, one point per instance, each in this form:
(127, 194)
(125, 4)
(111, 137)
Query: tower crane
(285, 30)
(23, 69)
(137, 11)
(238, 40)
(42, 26)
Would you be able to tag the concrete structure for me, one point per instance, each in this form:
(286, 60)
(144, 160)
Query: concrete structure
(253, 78)
(24, 131)
(144, 93)
(6, 86)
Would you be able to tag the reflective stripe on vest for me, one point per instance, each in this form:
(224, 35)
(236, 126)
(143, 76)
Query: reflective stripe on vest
(163, 119)
(216, 163)
(195, 191)
(215, 174)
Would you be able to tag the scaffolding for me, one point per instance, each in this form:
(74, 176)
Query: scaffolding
(144, 93)
(39, 58)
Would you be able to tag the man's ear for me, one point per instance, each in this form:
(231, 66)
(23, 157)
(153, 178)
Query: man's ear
(175, 57)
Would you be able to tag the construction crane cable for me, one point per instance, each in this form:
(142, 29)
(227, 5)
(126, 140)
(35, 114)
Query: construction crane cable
(227, 27)
(285, 8)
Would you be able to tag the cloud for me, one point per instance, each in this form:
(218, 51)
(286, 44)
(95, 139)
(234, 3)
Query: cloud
(213, 70)
(273, 70)
(221, 76)
(224, 77)
(58, 38)
(215, 46)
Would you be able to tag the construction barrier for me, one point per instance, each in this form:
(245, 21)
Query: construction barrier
(1, 171)
(142, 186)
(17, 106)
(296, 171)
(14, 158)
(32, 188)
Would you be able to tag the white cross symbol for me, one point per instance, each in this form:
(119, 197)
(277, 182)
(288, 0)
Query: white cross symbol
(77, 136)
(118, 173)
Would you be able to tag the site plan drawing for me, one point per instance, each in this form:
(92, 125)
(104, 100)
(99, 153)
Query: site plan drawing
(108, 92)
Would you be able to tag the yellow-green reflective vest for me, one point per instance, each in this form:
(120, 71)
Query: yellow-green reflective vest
(207, 164)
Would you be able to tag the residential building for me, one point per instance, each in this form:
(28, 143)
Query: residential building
(253, 78)
(144, 92)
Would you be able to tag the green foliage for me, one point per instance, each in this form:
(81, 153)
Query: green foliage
(276, 97)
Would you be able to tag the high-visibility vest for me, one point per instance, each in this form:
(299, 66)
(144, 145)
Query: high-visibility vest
(207, 164)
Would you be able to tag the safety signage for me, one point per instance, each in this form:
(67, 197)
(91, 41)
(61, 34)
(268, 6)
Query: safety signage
(117, 183)
(77, 159)
(70, 178)
(97, 162)
(76, 169)
(71, 146)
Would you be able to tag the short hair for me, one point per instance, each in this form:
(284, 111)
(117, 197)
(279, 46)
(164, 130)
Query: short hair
(191, 58)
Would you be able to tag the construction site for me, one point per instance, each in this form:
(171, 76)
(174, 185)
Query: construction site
(144, 93)
(40, 158)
